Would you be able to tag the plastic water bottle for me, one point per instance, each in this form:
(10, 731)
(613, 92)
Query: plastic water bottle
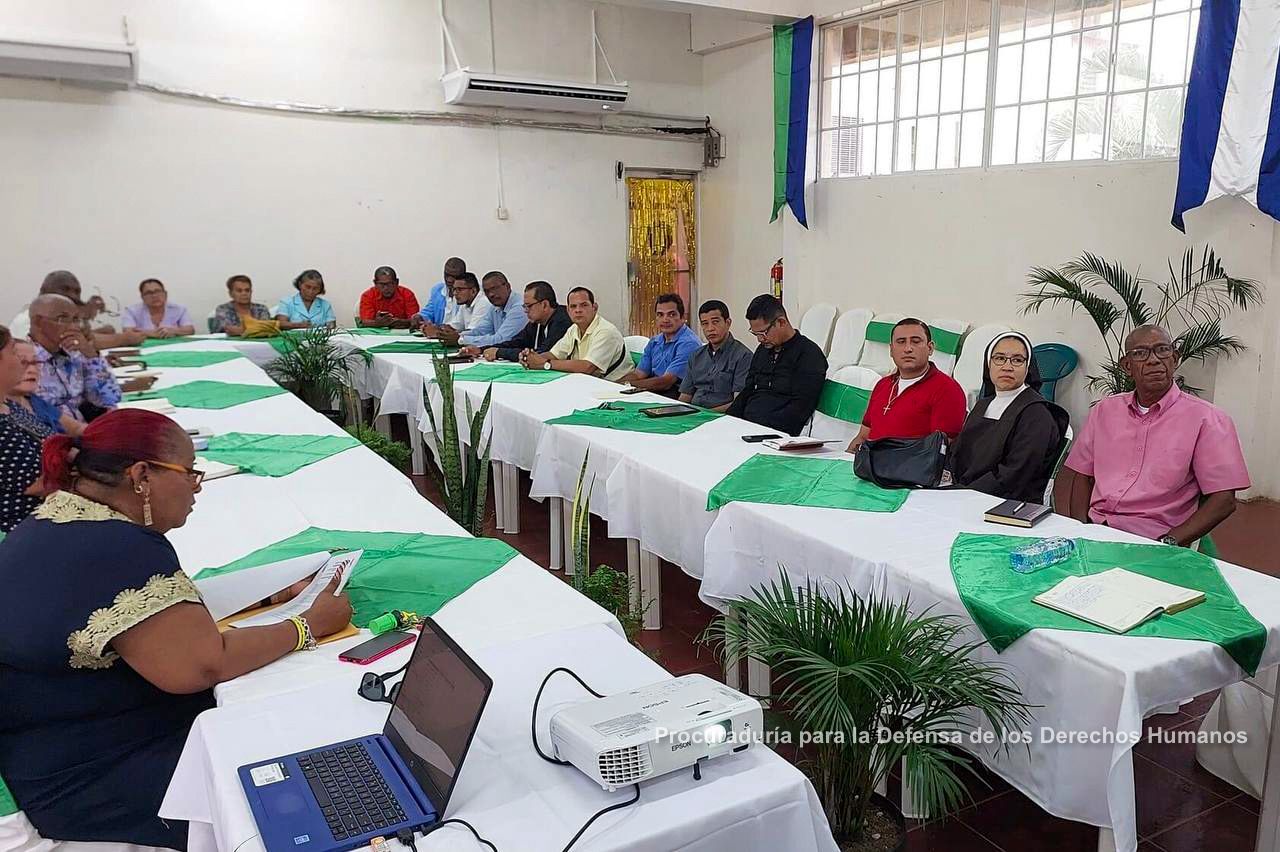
(1040, 554)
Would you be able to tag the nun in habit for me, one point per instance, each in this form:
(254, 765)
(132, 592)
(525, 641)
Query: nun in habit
(1013, 437)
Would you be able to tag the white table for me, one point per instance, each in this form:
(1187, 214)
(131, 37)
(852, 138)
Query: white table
(750, 802)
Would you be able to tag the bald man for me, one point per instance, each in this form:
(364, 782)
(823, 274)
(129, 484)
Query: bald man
(61, 282)
(81, 386)
(1156, 462)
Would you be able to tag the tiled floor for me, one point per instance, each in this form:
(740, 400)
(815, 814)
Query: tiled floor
(1181, 807)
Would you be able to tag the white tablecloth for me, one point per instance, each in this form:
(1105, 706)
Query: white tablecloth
(750, 802)
(1083, 681)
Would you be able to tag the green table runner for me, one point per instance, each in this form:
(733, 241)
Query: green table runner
(636, 358)
(363, 331)
(411, 347)
(410, 571)
(275, 455)
(627, 417)
(204, 394)
(152, 342)
(189, 359)
(843, 402)
(508, 373)
(791, 481)
(999, 598)
(7, 804)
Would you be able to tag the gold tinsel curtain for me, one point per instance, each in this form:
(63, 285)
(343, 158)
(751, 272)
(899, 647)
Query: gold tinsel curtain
(661, 244)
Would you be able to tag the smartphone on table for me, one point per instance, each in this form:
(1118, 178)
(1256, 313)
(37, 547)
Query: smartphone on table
(376, 648)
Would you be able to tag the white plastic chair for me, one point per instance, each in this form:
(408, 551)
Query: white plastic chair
(817, 322)
(970, 367)
(948, 335)
(635, 344)
(829, 422)
(875, 351)
(847, 339)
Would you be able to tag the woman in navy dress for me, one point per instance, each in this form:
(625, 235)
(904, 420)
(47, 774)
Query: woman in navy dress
(106, 652)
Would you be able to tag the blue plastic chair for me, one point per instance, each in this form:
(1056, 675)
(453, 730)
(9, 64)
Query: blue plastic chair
(1056, 361)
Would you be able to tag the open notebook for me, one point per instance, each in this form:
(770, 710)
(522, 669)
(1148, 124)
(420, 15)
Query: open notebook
(1117, 600)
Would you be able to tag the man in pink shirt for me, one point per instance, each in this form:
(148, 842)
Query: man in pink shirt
(1156, 462)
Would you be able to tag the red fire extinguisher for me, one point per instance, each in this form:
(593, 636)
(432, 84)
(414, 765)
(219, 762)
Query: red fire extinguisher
(775, 279)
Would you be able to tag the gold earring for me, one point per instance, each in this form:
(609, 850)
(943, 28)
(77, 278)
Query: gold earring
(146, 503)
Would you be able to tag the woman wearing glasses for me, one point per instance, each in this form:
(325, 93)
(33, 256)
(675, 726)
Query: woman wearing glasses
(1013, 437)
(106, 652)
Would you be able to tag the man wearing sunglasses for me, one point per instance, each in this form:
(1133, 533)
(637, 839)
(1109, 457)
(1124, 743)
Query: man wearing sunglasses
(786, 374)
(70, 381)
(1157, 462)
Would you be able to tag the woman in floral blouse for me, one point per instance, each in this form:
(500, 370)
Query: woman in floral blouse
(230, 316)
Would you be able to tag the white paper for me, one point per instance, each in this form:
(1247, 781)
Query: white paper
(159, 406)
(340, 565)
(230, 593)
(214, 469)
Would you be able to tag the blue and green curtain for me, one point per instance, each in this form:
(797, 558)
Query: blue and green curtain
(792, 56)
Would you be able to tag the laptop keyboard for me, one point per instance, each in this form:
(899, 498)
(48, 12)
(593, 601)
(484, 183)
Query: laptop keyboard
(351, 792)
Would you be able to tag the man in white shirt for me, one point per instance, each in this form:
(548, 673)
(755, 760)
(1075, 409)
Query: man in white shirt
(464, 311)
(592, 345)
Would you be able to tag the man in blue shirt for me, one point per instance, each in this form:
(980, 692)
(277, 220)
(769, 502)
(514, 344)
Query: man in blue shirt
(503, 321)
(433, 312)
(662, 367)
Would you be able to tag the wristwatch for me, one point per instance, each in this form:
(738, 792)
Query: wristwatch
(546, 365)
(1168, 539)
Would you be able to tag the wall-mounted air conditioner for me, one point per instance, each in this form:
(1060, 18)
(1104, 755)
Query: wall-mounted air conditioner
(475, 88)
(114, 67)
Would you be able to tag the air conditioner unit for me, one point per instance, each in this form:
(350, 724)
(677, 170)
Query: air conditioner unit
(114, 67)
(474, 88)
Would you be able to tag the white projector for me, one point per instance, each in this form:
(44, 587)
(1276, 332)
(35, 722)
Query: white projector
(633, 736)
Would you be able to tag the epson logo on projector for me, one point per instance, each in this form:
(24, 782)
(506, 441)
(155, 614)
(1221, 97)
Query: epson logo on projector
(679, 746)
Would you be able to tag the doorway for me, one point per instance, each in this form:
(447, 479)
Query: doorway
(662, 245)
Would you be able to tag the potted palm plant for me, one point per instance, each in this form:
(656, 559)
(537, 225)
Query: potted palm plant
(867, 686)
(461, 473)
(316, 369)
(1192, 305)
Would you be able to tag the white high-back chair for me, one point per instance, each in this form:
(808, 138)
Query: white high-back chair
(635, 344)
(817, 322)
(847, 339)
(842, 404)
(970, 367)
(875, 351)
(947, 337)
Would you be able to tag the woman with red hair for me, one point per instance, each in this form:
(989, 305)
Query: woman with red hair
(106, 652)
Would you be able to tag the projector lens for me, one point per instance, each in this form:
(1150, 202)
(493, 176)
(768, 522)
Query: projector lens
(716, 734)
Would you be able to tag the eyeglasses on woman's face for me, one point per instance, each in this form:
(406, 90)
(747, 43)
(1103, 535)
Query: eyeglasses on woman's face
(1002, 360)
(194, 474)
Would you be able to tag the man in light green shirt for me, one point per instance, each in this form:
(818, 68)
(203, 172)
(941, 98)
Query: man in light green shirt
(592, 345)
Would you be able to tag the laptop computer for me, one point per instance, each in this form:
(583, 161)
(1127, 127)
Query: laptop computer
(340, 796)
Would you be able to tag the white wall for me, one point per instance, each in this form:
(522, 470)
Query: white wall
(122, 186)
(959, 245)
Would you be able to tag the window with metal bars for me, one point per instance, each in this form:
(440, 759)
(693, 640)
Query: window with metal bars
(924, 86)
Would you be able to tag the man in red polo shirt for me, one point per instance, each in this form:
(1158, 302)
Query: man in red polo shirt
(386, 304)
(916, 400)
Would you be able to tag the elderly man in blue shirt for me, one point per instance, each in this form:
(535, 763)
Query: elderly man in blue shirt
(504, 319)
(666, 355)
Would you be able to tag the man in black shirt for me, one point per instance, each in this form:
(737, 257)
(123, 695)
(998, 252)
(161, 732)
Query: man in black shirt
(786, 374)
(548, 322)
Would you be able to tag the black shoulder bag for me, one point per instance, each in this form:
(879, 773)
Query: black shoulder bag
(902, 462)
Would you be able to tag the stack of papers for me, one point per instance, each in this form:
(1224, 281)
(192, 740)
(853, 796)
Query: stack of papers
(792, 444)
(214, 469)
(228, 594)
(159, 406)
(1117, 600)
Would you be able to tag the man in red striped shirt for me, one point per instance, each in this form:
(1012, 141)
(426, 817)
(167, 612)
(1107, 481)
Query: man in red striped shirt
(917, 399)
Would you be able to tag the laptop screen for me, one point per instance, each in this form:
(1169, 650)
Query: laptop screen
(437, 712)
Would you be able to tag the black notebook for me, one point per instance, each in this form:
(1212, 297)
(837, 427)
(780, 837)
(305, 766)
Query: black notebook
(1017, 513)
